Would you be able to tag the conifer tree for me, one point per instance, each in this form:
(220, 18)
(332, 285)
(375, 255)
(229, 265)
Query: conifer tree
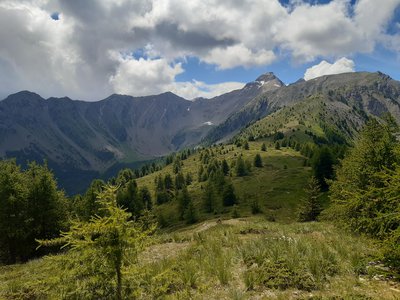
(225, 167)
(191, 215)
(209, 198)
(100, 249)
(183, 202)
(241, 169)
(145, 196)
(258, 161)
(310, 207)
(228, 195)
(263, 147)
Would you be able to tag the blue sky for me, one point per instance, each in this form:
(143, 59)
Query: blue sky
(199, 48)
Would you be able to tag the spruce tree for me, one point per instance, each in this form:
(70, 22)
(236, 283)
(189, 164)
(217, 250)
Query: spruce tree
(183, 202)
(145, 196)
(228, 195)
(241, 169)
(225, 167)
(209, 198)
(258, 161)
(191, 215)
(263, 147)
(100, 249)
(310, 208)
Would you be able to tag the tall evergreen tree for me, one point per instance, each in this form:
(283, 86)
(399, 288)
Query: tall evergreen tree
(30, 207)
(241, 169)
(258, 161)
(322, 163)
(310, 207)
(191, 214)
(225, 167)
(365, 195)
(145, 195)
(263, 147)
(228, 195)
(209, 198)
(183, 202)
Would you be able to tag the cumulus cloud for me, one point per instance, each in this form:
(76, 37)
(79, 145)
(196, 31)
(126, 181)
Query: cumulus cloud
(71, 56)
(194, 89)
(140, 77)
(342, 65)
(239, 55)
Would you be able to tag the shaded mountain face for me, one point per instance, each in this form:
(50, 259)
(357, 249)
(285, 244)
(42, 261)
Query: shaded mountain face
(351, 97)
(84, 139)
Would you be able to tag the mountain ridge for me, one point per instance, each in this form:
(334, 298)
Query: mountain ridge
(92, 137)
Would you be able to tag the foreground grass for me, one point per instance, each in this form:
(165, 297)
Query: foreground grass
(246, 258)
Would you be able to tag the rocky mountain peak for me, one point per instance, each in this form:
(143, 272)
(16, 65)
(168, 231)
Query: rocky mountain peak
(267, 82)
(269, 76)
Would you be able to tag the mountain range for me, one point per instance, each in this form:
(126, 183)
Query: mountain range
(83, 140)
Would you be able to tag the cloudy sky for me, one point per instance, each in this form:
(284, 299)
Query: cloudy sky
(93, 48)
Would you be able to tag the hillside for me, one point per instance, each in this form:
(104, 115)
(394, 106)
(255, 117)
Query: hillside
(351, 95)
(283, 173)
(94, 139)
(233, 252)
(86, 139)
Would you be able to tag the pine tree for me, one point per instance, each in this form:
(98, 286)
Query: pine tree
(228, 195)
(128, 198)
(310, 207)
(258, 161)
(225, 167)
(209, 198)
(241, 169)
(30, 207)
(277, 146)
(90, 206)
(180, 181)
(191, 215)
(100, 249)
(145, 196)
(246, 145)
(263, 147)
(322, 163)
(183, 202)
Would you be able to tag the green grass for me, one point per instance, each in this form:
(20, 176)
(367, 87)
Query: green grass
(277, 186)
(248, 257)
(242, 258)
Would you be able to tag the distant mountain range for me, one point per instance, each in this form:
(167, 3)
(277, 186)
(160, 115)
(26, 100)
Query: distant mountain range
(82, 140)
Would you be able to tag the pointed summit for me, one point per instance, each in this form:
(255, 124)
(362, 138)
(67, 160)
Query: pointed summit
(267, 77)
(267, 82)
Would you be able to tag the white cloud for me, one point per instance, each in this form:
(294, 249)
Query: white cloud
(194, 89)
(342, 65)
(333, 29)
(140, 77)
(71, 56)
(239, 55)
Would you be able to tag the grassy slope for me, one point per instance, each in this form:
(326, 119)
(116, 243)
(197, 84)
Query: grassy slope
(317, 114)
(247, 258)
(275, 188)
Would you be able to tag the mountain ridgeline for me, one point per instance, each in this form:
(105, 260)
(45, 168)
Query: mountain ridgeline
(90, 138)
